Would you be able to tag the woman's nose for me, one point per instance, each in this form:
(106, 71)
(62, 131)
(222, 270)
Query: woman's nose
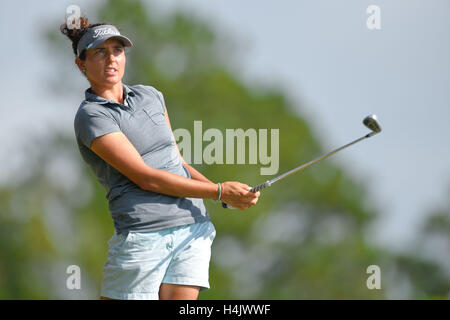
(110, 56)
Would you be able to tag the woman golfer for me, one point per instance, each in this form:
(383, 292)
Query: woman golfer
(161, 247)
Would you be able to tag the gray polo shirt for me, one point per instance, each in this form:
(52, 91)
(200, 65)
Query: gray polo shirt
(141, 119)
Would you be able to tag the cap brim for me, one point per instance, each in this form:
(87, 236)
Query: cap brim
(125, 41)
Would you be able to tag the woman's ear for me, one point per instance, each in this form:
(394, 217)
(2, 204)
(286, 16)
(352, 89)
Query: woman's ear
(81, 65)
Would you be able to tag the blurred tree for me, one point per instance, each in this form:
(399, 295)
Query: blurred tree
(427, 264)
(306, 238)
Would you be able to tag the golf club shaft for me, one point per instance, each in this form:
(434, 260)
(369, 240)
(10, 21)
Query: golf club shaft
(303, 166)
(307, 164)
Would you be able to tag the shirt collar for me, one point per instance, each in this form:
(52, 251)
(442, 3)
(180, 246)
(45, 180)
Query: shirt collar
(128, 91)
(92, 97)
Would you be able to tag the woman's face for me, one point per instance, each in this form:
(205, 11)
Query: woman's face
(105, 65)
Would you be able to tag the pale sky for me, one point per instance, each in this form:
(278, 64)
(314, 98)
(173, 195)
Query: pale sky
(322, 55)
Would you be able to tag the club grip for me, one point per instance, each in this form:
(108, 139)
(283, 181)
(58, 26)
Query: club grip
(260, 186)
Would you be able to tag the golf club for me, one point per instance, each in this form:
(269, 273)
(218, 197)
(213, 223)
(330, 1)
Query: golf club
(370, 122)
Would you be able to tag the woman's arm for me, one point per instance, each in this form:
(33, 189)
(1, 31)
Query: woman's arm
(195, 174)
(119, 152)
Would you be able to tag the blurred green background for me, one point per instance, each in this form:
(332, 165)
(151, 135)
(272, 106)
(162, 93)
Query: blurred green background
(306, 239)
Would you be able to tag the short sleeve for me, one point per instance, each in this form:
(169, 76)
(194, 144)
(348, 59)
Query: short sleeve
(91, 124)
(161, 99)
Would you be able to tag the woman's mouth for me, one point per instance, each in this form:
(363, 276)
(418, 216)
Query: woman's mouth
(110, 71)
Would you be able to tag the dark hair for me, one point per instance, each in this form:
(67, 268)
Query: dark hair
(75, 34)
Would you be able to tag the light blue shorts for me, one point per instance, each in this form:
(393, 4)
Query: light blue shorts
(139, 262)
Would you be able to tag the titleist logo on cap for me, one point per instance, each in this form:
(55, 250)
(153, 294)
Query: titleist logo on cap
(105, 31)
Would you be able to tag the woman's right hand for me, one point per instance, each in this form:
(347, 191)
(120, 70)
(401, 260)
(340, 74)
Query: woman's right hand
(238, 195)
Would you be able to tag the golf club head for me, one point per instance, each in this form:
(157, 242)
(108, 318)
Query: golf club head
(371, 122)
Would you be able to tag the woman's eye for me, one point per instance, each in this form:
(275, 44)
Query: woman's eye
(102, 53)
